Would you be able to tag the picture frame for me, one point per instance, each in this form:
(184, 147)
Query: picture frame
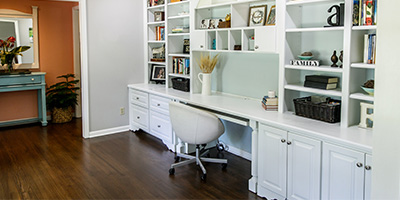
(159, 16)
(204, 23)
(257, 15)
(271, 16)
(157, 73)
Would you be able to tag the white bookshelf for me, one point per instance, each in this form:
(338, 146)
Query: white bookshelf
(322, 68)
(299, 87)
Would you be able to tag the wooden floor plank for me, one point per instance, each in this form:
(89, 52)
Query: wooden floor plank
(55, 162)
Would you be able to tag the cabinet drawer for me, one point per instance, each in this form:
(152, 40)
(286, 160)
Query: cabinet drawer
(20, 80)
(160, 126)
(139, 98)
(140, 116)
(159, 104)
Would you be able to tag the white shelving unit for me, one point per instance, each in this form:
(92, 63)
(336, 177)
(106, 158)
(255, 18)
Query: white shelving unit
(304, 29)
(176, 14)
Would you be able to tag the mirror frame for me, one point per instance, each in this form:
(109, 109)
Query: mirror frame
(17, 14)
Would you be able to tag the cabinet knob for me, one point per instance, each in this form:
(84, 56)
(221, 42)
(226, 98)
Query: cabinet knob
(201, 46)
(33, 79)
(159, 126)
(289, 142)
(138, 117)
(367, 167)
(359, 164)
(137, 98)
(256, 47)
(283, 140)
(158, 104)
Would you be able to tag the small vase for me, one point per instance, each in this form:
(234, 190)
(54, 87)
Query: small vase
(205, 79)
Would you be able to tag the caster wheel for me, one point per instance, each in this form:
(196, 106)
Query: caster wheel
(177, 159)
(208, 155)
(203, 177)
(172, 171)
(224, 165)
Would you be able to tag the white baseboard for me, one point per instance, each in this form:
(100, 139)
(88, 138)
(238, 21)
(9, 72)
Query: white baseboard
(109, 131)
(239, 152)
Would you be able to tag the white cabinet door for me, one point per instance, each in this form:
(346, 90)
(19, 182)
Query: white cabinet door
(263, 39)
(272, 151)
(304, 167)
(342, 173)
(368, 177)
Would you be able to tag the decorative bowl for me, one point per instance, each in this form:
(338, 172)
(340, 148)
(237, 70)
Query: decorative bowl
(370, 91)
(305, 57)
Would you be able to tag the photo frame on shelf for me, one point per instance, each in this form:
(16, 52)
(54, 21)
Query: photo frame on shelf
(271, 16)
(204, 23)
(159, 16)
(157, 73)
(257, 15)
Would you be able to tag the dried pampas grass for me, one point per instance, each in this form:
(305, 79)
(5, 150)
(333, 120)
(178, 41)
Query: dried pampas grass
(206, 64)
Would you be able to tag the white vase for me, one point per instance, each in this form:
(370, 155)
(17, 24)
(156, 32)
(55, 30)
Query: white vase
(205, 79)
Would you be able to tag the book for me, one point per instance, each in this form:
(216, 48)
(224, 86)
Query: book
(318, 85)
(356, 14)
(369, 48)
(304, 62)
(322, 79)
(270, 101)
(368, 12)
(186, 45)
(269, 107)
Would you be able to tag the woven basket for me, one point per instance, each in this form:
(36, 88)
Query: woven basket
(61, 115)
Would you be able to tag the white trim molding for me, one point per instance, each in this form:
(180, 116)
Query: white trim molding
(239, 152)
(109, 131)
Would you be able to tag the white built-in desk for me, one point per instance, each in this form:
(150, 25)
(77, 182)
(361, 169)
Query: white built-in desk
(249, 112)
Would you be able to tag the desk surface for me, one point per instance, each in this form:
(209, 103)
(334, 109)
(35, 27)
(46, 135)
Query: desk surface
(353, 137)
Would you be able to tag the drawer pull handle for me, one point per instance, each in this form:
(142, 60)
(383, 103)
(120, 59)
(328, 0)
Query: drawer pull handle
(138, 117)
(367, 167)
(137, 98)
(33, 79)
(289, 142)
(158, 105)
(283, 140)
(359, 164)
(159, 126)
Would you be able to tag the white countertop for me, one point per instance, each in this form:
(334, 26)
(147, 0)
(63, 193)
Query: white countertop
(352, 137)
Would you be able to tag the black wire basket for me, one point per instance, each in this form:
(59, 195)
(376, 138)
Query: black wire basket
(328, 111)
(182, 84)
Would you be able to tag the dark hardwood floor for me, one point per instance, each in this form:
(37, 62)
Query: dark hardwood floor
(55, 162)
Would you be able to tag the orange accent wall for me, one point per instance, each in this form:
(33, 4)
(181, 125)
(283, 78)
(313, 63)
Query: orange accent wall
(55, 52)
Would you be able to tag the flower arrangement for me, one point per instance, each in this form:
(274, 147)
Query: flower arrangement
(207, 64)
(9, 53)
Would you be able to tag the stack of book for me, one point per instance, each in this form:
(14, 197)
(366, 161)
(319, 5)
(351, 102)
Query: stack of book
(321, 82)
(369, 48)
(181, 65)
(160, 33)
(270, 103)
(364, 12)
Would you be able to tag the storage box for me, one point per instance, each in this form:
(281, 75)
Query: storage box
(328, 111)
(182, 84)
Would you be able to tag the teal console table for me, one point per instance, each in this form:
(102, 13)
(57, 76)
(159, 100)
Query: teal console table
(20, 82)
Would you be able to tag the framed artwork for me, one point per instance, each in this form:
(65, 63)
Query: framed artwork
(271, 16)
(158, 16)
(157, 73)
(257, 15)
(204, 23)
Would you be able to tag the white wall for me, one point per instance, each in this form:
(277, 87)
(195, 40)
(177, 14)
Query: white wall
(386, 147)
(115, 59)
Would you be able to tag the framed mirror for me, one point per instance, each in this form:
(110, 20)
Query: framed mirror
(24, 27)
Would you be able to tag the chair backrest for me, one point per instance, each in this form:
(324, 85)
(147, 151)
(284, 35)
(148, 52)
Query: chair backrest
(193, 125)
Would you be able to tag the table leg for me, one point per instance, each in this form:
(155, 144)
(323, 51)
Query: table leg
(42, 106)
(254, 157)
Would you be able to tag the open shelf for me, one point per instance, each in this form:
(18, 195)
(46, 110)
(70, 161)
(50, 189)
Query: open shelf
(156, 7)
(301, 2)
(316, 29)
(322, 68)
(363, 65)
(177, 54)
(362, 28)
(178, 3)
(301, 88)
(156, 63)
(178, 34)
(228, 4)
(156, 23)
(179, 17)
(179, 75)
(361, 96)
(156, 41)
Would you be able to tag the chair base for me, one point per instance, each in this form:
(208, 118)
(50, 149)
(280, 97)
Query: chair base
(198, 159)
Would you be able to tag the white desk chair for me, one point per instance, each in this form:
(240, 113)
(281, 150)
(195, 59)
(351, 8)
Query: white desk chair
(197, 127)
